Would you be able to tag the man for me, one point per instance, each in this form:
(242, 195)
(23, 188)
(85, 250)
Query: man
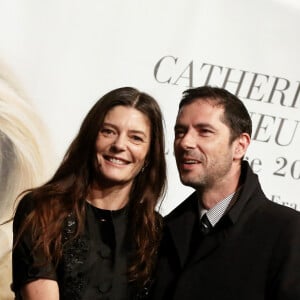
(227, 240)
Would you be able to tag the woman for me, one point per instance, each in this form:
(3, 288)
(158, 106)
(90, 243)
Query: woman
(92, 232)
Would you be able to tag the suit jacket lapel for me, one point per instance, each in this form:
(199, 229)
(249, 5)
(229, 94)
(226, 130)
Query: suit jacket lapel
(184, 219)
(181, 224)
(185, 233)
(205, 246)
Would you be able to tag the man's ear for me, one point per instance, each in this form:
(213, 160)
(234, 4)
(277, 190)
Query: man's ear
(241, 145)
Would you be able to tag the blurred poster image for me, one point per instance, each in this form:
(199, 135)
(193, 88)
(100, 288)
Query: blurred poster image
(25, 161)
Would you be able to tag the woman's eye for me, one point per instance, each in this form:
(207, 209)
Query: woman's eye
(106, 131)
(137, 138)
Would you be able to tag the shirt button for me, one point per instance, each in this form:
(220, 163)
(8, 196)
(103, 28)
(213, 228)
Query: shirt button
(104, 287)
(105, 253)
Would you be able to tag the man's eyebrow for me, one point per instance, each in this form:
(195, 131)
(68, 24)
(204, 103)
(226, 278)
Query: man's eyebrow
(179, 126)
(198, 125)
(201, 125)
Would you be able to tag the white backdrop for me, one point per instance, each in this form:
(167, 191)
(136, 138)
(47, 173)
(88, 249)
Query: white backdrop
(63, 55)
(66, 54)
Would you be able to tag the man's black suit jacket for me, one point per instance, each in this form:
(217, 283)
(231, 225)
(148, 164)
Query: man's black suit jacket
(253, 252)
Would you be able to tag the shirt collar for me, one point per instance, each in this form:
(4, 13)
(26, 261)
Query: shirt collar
(215, 213)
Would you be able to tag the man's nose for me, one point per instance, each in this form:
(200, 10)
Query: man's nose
(188, 141)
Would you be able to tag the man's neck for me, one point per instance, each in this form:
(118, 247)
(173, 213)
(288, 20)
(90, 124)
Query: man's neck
(211, 196)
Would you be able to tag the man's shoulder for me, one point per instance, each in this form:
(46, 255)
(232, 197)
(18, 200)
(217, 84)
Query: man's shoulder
(280, 212)
(189, 205)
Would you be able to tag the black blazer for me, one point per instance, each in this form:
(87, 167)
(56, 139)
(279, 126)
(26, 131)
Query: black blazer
(253, 252)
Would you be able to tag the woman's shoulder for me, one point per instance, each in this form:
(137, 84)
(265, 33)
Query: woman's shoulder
(24, 208)
(26, 204)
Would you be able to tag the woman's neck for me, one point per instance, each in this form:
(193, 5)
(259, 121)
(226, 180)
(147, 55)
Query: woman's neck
(110, 198)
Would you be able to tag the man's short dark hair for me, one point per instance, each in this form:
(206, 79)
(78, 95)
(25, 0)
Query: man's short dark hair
(236, 116)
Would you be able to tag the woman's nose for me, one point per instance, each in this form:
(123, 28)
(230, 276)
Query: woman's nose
(119, 143)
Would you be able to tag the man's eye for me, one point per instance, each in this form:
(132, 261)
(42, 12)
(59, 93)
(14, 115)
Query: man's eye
(179, 133)
(205, 131)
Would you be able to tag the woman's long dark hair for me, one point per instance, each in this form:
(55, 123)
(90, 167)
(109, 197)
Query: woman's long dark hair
(67, 190)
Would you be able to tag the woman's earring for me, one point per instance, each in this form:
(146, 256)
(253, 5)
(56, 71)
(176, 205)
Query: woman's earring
(144, 167)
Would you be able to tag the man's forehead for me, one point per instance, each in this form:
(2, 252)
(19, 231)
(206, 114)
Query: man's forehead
(198, 103)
